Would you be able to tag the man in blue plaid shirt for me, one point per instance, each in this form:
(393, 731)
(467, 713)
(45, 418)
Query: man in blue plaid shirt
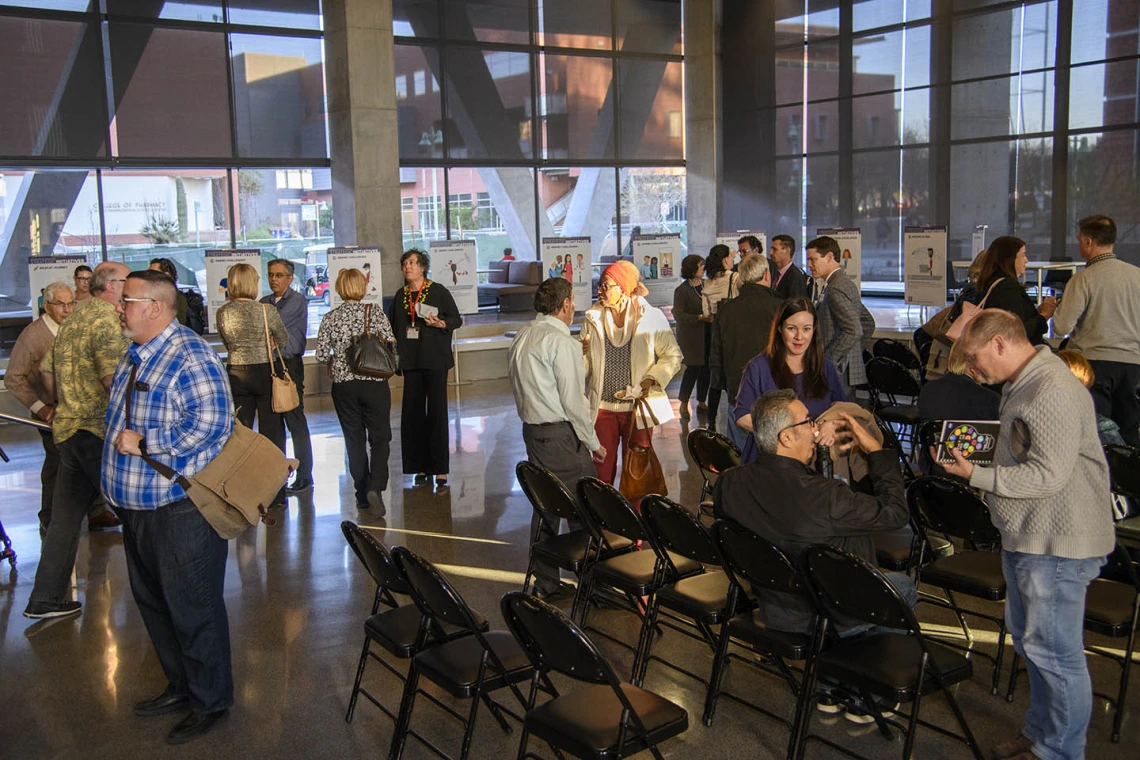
(181, 415)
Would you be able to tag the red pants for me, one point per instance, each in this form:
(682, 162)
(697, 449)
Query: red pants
(612, 427)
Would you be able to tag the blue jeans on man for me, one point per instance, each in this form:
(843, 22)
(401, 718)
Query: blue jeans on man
(1044, 613)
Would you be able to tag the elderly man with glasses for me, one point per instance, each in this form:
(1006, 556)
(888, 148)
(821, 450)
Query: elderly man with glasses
(77, 372)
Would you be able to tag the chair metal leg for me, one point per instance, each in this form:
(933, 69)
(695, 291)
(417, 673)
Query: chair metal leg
(1126, 668)
(912, 725)
(971, 742)
(359, 677)
(522, 744)
(720, 662)
(644, 644)
(997, 659)
(469, 730)
(404, 717)
(1013, 677)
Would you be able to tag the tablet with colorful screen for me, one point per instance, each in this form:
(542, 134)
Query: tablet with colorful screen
(975, 439)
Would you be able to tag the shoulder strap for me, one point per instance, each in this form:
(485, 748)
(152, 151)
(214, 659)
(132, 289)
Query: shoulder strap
(162, 469)
(982, 303)
(367, 319)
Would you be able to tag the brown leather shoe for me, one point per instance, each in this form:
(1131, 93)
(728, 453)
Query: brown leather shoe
(1019, 747)
(105, 521)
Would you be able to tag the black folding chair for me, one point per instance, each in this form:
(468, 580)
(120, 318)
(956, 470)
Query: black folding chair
(608, 718)
(953, 510)
(890, 384)
(633, 575)
(1112, 609)
(893, 349)
(470, 667)
(897, 667)
(689, 605)
(396, 628)
(713, 454)
(750, 559)
(891, 441)
(552, 503)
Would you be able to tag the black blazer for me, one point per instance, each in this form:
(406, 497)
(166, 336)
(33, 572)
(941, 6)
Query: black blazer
(433, 348)
(794, 284)
(1009, 295)
(739, 332)
(691, 331)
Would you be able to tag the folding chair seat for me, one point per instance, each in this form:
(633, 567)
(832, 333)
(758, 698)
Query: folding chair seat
(396, 628)
(950, 508)
(713, 453)
(749, 559)
(891, 382)
(606, 719)
(898, 666)
(470, 667)
(689, 605)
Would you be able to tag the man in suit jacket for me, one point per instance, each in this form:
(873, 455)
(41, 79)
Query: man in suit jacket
(840, 311)
(788, 280)
(740, 331)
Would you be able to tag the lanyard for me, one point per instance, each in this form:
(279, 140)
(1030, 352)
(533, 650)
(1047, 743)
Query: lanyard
(415, 301)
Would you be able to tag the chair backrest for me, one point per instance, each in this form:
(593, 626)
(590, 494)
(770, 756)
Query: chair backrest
(928, 433)
(433, 593)
(676, 529)
(547, 494)
(1124, 469)
(847, 586)
(712, 452)
(376, 558)
(610, 509)
(552, 641)
(893, 349)
(890, 438)
(749, 557)
(888, 376)
(951, 508)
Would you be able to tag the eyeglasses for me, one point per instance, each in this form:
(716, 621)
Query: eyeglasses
(278, 275)
(604, 286)
(125, 300)
(808, 421)
(83, 279)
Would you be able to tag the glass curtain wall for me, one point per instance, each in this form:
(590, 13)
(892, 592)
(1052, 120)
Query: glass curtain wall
(525, 119)
(151, 128)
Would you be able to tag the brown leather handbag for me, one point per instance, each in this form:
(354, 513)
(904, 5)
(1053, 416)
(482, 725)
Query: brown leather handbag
(641, 472)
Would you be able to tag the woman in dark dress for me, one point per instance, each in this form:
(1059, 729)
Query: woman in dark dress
(425, 357)
(1004, 264)
(692, 332)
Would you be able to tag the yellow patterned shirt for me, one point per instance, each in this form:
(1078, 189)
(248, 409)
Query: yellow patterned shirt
(88, 347)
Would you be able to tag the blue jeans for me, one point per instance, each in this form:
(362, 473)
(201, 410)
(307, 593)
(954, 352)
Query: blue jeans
(1044, 612)
(177, 567)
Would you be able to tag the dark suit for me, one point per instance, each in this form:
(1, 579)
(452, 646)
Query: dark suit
(739, 333)
(793, 284)
(840, 327)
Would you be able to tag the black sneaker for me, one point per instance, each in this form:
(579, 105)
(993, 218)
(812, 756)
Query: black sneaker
(299, 486)
(42, 610)
(376, 500)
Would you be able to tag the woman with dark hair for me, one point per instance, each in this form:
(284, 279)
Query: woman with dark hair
(423, 316)
(1004, 264)
(794, 359)
(692, 333)
(721, 282)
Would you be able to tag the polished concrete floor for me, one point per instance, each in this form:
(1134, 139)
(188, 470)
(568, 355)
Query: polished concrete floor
(297, 596)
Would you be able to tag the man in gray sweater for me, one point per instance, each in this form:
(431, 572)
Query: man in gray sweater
(1101, 313)
(1048, 494)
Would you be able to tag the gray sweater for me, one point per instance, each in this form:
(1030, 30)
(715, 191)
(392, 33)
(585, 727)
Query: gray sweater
(1048, 488)
(1101, 310)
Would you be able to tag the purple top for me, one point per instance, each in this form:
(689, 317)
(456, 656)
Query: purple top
(758, 380)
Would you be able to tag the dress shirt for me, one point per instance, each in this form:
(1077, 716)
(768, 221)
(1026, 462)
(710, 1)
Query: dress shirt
(547, 378)
(294, 311)
(23, 378)
(185, 417)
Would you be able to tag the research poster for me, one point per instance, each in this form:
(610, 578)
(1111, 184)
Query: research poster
(850, 241)
(218, 263)
(453, 265)
(364, 258)
(731, 240)
(978, 241)
(569, 257)
(658, 259)
(924, 265)
(44, 270)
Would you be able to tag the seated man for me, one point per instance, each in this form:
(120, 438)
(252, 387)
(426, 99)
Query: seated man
(781, 498)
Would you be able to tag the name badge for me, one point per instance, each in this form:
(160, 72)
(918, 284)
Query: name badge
(413, 333)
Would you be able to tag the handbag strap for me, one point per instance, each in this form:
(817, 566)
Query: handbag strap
(367, 319)
(982, 303)
(640, 406)
(162, 469)
(270, 345)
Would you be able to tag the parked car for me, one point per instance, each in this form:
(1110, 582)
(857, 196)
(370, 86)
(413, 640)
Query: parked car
(317, 286)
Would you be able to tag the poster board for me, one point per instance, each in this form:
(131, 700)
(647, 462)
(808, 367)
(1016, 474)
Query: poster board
(218, 263)
(661, 274)
(364, 258)
(924, 265)
(557, 252)
(453, 266)
(978, 241)
(44, 270)
(850, 241)
(731, 240)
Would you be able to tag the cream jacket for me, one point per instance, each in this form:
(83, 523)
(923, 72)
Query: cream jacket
(653, 351)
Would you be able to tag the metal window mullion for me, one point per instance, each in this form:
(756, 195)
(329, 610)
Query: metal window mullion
(1061, 85)
(102, 213)
(846, 115)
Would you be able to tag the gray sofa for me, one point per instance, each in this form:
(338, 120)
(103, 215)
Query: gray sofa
(512, 284)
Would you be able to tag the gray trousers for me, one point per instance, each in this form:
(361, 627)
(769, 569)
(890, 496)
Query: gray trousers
(555, 447)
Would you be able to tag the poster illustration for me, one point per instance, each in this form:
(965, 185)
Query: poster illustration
(658, 258)
(731, 239)
(453, 265)
(850, 241)
(924, 265)
(569, 257)
(44, 270)
(218, 263)
(364, 258)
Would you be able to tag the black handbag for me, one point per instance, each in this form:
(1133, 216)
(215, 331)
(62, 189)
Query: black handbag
(370, 355)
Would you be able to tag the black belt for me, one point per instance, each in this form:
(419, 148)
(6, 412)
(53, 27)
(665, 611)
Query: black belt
(546, 424)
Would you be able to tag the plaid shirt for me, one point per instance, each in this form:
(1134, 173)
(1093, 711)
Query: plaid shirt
(184, 413)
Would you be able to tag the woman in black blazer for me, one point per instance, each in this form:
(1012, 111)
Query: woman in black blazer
(692, 332)
(1005, 263)
(424, 343)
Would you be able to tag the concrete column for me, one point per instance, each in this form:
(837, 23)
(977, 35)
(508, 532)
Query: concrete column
(363, 134)
(703, 134)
